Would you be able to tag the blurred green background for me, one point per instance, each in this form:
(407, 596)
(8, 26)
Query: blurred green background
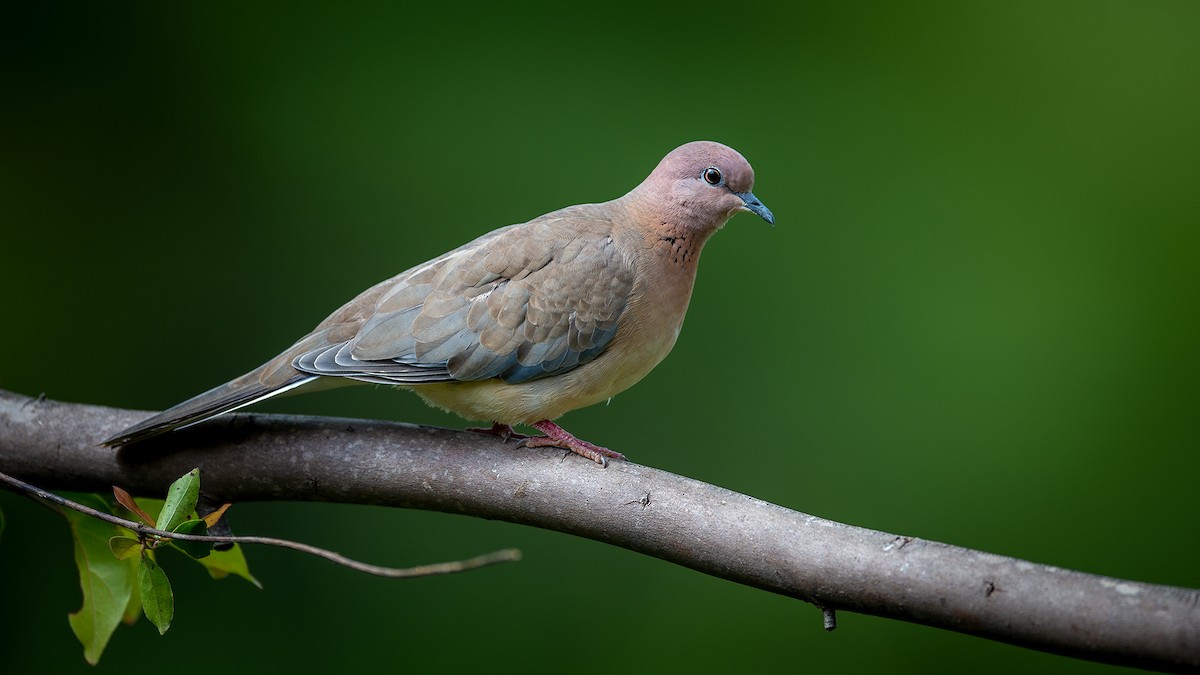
(975, 322)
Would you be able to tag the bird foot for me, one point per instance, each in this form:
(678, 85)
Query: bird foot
(558, 437)
(504, 431)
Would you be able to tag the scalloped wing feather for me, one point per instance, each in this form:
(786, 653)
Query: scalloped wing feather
(521, 303)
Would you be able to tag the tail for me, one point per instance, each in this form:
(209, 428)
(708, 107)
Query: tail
(247, 389)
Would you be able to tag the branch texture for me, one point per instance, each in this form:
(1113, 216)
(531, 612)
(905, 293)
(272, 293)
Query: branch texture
(688, 522)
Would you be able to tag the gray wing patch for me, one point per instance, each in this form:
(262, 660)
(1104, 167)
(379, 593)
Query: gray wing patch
(530, 303)
(335, 361)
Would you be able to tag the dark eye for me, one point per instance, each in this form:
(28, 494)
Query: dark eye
(712, 175)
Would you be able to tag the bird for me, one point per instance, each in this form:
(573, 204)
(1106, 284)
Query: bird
(526, 322)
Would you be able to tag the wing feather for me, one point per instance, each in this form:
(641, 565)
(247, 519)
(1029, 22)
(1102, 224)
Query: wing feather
(521, 303)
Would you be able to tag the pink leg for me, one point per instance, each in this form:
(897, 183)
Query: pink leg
(504, 431)
(558, 437)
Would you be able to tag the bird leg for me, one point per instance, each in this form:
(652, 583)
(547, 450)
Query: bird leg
(504, 431)
(558, 437)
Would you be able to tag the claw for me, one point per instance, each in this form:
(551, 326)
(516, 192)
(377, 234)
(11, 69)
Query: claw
(557, 437)
(504, 431)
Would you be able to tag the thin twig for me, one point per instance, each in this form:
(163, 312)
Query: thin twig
(501, 556)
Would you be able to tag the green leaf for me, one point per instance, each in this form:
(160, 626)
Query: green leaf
(223, 563)
(107, 582)
(133, 608)
(181, 501)
(195, 549)
(157, 600)
(124, 547)
(1, 522)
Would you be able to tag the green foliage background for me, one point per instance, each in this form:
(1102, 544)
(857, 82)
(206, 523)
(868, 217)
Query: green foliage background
(975, 322)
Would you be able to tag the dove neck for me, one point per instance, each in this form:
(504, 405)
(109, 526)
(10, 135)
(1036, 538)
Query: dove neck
(660, 208)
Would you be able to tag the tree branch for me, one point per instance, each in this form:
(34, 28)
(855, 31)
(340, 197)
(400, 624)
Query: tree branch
(701, 526)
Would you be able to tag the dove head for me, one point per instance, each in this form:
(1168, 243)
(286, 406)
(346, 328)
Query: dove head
(700, 185)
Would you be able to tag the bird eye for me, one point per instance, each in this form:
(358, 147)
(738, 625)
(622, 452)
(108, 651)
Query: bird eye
(712, 175)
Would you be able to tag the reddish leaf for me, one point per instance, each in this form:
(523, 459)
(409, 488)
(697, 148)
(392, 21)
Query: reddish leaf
(125, 499)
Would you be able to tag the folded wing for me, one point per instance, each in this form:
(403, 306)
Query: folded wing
(522, 303)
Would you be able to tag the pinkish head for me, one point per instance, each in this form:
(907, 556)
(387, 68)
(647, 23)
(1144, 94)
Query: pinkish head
(702, 184)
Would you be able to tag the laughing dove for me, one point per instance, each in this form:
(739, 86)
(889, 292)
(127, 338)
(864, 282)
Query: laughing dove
(527, 322)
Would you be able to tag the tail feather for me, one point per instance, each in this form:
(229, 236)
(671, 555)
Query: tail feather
(219, 400)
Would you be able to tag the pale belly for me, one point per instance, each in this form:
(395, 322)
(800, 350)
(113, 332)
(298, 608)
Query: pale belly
(618, 368)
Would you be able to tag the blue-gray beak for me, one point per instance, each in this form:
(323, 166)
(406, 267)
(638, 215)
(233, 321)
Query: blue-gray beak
(756, 207)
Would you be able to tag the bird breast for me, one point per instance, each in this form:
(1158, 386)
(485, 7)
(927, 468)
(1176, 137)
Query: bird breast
(646, 333)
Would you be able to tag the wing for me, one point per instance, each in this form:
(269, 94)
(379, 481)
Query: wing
(520, 303)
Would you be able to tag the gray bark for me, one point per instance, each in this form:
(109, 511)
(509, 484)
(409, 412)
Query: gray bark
(707, 528)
